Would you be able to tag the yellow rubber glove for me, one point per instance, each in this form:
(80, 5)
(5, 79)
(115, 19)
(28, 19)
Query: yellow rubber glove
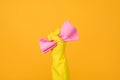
(60, 69)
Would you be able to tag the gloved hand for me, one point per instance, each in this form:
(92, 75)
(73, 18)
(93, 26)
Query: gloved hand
(59, 63)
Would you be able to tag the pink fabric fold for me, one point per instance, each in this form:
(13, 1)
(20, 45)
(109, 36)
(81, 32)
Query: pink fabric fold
(67, 33)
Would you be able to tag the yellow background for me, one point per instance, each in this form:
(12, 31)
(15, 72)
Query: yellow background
(96, 56)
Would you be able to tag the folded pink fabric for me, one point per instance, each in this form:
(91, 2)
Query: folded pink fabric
(67, 33)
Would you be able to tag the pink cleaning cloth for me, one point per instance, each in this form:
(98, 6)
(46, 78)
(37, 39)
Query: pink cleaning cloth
(67, 33)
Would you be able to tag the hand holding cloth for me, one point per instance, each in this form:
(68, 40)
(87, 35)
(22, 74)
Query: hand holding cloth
(56, 42)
